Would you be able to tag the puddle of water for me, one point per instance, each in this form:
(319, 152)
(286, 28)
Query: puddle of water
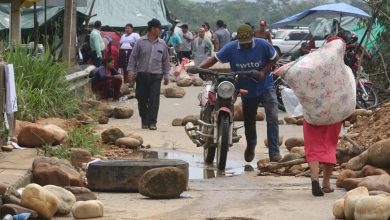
(197, 168)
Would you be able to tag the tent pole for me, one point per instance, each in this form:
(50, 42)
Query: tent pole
(46, 21)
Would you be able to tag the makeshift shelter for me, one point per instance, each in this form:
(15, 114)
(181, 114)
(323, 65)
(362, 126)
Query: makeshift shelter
(117, 13)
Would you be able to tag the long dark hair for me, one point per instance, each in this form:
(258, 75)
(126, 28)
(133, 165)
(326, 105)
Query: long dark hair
(107, 60)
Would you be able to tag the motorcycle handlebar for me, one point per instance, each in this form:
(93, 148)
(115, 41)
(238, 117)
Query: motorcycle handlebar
(251, 73)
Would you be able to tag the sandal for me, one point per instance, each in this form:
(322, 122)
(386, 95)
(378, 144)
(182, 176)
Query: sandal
(327, 189)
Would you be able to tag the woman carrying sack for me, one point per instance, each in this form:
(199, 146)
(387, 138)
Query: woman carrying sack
(327, 92)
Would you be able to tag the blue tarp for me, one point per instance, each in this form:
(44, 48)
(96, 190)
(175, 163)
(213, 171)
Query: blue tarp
(341, 9)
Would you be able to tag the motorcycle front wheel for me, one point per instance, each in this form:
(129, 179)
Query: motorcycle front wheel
(208, 151)
(223, 141)
(366, 99)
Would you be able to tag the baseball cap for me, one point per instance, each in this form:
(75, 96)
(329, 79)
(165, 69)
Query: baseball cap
(263, 23)
(244, 34)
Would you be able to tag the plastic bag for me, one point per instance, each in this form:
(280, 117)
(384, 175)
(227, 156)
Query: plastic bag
(291, 102)
(324, 85)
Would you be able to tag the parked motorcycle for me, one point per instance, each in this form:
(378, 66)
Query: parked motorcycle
(216, 131)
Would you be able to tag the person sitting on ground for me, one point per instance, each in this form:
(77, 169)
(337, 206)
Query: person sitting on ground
(263, 33)
(302, 51)
(107, 82)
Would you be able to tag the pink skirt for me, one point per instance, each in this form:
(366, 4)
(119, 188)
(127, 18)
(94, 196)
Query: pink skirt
(321, 142)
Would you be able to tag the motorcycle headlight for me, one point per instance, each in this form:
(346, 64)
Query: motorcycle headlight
(226, 90)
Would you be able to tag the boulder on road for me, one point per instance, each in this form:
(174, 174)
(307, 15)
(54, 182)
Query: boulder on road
(81, 193)
(35, 136)
(128, 142)
(163, 183)
(103, 119)
(60, 135)
(177, 122)
(197, 81)
(260, 116)
(281, 139)
(87, 209)
(53, 171)
(107, 109)
(174, 92)
(109, 136)
(379, 154)
(372, 207)
(65, 198)
(338, 209)
(184, 83)
(294, 142)
(290, 120)
(350, 201)
(41, 200)
(290, 157)
(191, 118)
(125, 89)
(123, 112)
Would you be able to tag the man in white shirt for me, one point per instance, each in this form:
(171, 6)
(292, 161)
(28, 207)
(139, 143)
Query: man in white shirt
(186, 43)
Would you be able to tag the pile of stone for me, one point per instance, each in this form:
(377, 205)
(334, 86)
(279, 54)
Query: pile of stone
(360, 204)
(102, 112)
(298, 120)
(58, 190)
(292, 164)
(115, 136)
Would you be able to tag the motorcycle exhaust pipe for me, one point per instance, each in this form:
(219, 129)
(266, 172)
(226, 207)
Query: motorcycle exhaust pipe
(191, 130)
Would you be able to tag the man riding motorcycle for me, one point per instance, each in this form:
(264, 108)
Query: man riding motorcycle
(245, 54)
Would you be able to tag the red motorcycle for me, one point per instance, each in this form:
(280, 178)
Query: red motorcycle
(216, 131)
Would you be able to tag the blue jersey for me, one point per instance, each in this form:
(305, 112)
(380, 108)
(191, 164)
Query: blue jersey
(244, 59)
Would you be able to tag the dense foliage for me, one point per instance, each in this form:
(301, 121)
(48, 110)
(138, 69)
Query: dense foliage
(42, 89)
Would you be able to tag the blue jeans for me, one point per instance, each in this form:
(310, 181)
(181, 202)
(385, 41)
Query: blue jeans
(270, 102)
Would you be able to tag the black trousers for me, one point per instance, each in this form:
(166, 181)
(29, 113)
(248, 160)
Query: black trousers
(148, 95)
(95, 60)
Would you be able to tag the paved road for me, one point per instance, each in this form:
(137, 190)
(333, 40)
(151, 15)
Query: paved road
(235, 194)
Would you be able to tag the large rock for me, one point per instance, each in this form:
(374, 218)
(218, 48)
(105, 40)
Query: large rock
(344, 175)
(79, 156)
(65, 198)
(103, 119)
(128, 142)
(191, 118)
(40, 199)
(184, 82)
(290, 120)
(379, 154)
(12, 209)
(197, 81)
(290, 157)
(294, 142)
(19, 125)
(177, 122)
(109, 136)
(281, 139)
(136, 136)
(260, 116)
(338, 209)
(372, 208)
(298, 150)
(60, 135)
(107, 109)
(163, 183)
(124, 175)
(350, 201)
(53, 171)
(125, 89)
(376, 183)
(174, 92)
(358, 162)
(87, 209)
(123, 112)
(35, 136)
(81, 193)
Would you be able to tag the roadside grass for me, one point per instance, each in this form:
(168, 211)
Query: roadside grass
(83, 137)
(41, 87)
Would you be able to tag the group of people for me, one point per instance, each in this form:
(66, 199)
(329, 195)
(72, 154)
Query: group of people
(146, 60)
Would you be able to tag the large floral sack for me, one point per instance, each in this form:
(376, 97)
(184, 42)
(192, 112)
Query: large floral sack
(324, 85)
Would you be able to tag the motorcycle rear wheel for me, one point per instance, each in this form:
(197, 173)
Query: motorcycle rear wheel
(364, 101)
(223, 141)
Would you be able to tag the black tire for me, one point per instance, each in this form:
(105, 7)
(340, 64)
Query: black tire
(208, 152)
(368, 101)
(278, 88)
(223, 141)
